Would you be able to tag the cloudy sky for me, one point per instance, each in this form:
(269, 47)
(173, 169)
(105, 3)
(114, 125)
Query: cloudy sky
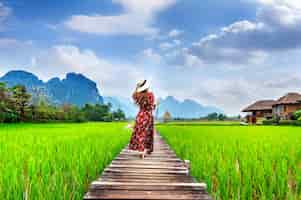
(225, 53)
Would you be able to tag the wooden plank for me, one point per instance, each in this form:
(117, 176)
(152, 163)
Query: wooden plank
(154, 159)
(129, 174)
(118, 166)
(129, 162)
(161, 175)
(200, 185)
(149, 195)
(147, 180)
(146, 188)
(145, 175)
(130, 155)
(149, 162)
(146, 171)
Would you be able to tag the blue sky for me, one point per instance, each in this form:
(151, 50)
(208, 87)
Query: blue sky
(226, 53)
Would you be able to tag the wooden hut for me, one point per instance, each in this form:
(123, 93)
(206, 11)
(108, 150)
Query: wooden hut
(259, 109)
(287, 105)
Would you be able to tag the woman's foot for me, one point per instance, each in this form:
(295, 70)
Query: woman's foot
(142, 155)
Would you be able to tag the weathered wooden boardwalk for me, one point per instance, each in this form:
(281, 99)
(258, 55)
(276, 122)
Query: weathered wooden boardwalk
(160, 175)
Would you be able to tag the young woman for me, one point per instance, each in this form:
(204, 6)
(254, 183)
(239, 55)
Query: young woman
(143, 134)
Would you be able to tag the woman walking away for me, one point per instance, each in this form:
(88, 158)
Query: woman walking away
(143, 134)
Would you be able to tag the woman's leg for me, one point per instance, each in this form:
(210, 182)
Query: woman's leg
(150, 136)
(142, 143)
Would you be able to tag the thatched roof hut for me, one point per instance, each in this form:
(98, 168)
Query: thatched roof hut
(260, 106)
(290, 98)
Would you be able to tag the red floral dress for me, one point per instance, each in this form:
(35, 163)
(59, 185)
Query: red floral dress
(143, 134)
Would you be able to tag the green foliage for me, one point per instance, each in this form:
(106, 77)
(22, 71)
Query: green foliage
(222, 117)
(297, 115)
(56, 161)
(118, 115)
(97, 112)
(215, 117)
(5, 103)
(212, 116)
(20, 99)
(16, 105)
(241, 162)
(274, 121)
(268, 122)
(290, 123)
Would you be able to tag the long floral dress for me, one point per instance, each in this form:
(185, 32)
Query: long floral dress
(143, 134)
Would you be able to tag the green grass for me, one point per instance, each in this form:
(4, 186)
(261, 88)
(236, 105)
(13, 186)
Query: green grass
(241, 162)
(55, 161)
(202, 122)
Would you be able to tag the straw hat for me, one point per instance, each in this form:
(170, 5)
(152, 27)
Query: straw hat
(142, 86)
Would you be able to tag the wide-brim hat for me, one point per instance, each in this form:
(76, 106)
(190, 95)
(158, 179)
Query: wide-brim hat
(142, 85)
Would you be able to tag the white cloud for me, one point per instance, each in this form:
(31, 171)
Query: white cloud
(277, 28)
(52, 27)
(62, 59)
(5, 12)
(177, 42)
(175, 33)
(150, 56)
(287, 3)
(181, 57)
(170, 45)
(241, 26)
(137, 19)
(165, 46)
(12, 43)
(280, 12)
(237, 93)
(8, 43)
(292, 82)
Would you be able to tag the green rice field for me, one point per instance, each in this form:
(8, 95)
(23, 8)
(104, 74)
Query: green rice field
(241, 162)
(56, 161)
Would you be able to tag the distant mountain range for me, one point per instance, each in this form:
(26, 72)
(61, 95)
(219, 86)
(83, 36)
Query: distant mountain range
(73, 89)
(184, 109)
(178, 109)
(78, 90)
(125, 104)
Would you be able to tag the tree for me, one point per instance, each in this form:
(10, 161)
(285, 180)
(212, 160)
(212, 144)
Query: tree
(222, 117)
(3, 92)
(16, 105)
(297, 115)
(33, 112)
(21, 100)
(97, 112)
(3, 101)
(118, 115)
(44, 111)
(166, 116)
(212, 116)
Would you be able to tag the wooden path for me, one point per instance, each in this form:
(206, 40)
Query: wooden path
(160, 175)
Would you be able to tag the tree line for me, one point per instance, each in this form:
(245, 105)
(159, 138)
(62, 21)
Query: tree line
(209, 117)
(17, 105)
(215, 117)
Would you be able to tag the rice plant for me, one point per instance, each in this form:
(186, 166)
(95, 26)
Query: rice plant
(56, 161)
(240, 162)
